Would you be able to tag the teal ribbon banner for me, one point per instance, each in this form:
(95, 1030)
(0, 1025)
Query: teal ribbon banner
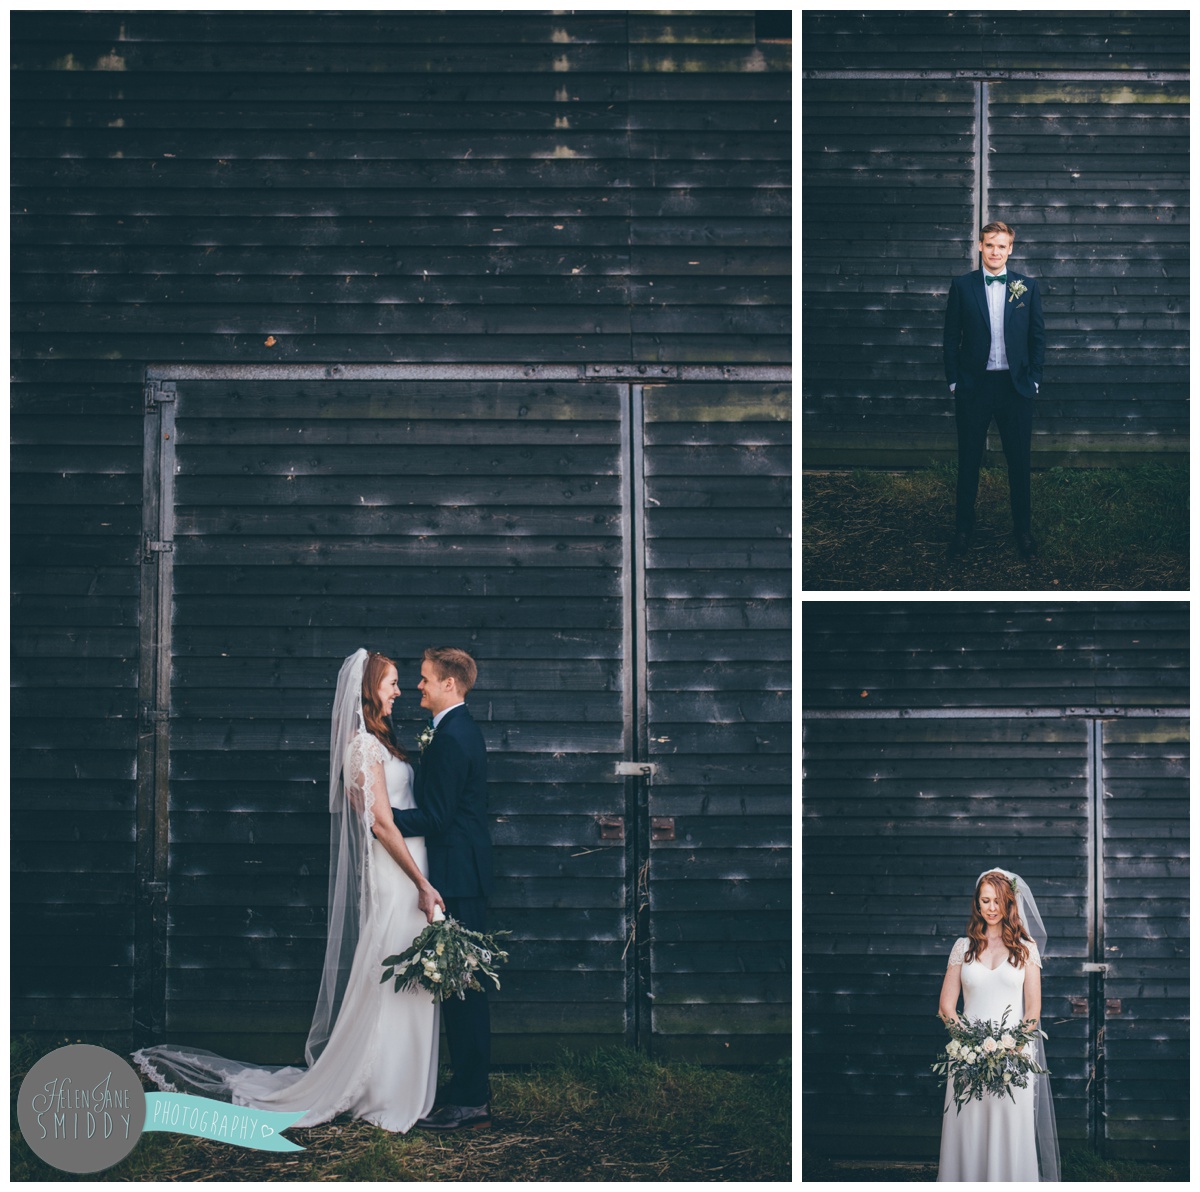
(258, 1129)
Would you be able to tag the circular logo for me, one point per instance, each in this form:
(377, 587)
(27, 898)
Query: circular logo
(81, 1108)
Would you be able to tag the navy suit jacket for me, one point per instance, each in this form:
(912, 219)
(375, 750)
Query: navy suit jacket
(451, 812)
(968, 334)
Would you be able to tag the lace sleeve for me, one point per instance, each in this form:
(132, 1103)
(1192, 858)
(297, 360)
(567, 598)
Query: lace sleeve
(1035, 957)
(957, 952)
(364, 776)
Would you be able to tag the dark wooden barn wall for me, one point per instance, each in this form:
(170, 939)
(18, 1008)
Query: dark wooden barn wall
(899, 819)
(421, 187)
(718, 597)
(1093, 175)
(1146, 935)
(943, 737)
(966, 654)
(888, 184)
(227, 187)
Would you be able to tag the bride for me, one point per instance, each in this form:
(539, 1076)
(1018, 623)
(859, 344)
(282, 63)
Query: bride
(995, 966)
(371, 1051)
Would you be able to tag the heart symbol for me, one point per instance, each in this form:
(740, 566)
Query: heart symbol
(267, 1131)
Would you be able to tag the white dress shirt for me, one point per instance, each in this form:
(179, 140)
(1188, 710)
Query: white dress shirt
(996, 293)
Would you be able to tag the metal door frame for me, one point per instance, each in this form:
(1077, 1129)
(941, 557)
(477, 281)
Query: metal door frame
(157, 590)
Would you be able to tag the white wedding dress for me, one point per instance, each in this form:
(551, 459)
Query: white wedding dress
(992, 1139)
(380, 1062)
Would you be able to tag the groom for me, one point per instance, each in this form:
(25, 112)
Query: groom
(993, 348)
(451, 813)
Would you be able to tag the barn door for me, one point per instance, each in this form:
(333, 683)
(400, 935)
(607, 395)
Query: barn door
(714, 711)
(617, 557)
(308, 518)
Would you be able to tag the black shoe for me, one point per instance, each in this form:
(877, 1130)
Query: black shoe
(1026, 547)
(958, 545)
(458, 1117)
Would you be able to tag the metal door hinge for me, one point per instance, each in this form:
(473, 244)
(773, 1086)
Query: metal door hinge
(662, 828)
(1079, 1007)
(157, 392)
(612, 827)
(1112, 1005)
(636, 769)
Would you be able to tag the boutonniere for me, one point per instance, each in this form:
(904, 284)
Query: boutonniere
(1016, 289)
(426, 737)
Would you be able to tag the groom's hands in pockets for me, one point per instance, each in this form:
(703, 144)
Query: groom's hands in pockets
(427, 900)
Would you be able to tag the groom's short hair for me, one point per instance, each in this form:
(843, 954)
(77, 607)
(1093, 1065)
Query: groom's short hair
(997, 226)
(453, 663)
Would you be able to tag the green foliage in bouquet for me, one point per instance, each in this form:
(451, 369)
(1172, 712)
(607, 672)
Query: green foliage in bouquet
(983, 1057)
(447, 959)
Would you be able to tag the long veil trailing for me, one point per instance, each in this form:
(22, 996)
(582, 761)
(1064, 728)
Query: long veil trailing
(1047, 1132)
(193, 1070)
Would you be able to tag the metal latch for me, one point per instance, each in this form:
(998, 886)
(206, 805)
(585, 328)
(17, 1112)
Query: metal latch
(150, 715)
(612, 827)
(662, 828)
(158, 392)
(1095, 968)
(1113, 1005)
(1079, 1007)
(636, 769)
(151, 546)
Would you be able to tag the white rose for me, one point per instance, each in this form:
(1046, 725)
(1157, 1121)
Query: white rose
(1007, 1042)
(989, 1045)
(435, 976)
(970, 1057)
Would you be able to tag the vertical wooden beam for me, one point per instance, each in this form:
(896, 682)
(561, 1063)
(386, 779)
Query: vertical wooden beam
(637, 717)
(982, 215)
(1096, 955)
(154, 663)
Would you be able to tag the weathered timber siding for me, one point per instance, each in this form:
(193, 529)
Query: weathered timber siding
(888, 186)
(1146, 936)
(900, 173)
(899, 819)
(536, 189)
(952, 654)
(719, 718)
(421, 187)
(1048, 739)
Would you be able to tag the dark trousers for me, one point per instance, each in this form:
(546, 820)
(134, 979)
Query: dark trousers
(468, 1022)
(973, 414)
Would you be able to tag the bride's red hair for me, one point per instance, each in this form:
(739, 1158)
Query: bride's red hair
(373, 672)
(1012, 930)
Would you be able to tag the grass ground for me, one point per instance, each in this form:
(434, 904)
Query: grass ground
(1119, 529)
(612, 1115)
(1078, 1166)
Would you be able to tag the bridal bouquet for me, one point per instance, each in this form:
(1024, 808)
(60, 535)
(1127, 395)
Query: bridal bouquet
(446, 959)
(983, 1057)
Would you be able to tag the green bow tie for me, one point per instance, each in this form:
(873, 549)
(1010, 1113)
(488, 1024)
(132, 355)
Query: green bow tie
(987, 277)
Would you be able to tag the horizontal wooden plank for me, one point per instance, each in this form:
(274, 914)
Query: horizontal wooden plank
(319, 672)
(271, 56)
(444, 523)
(566, 463)
(397, 27)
